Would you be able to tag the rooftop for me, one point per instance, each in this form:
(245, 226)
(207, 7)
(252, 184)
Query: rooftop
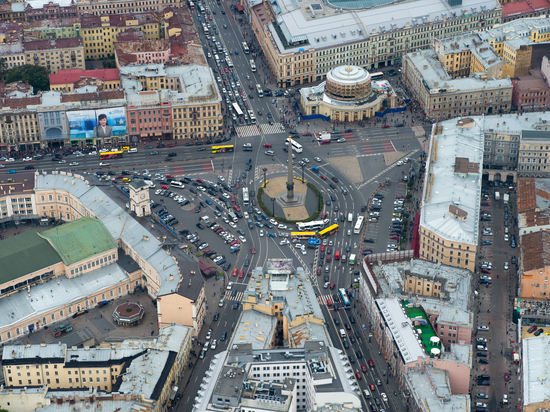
(530, 83)
(517, 29)
(523, 7)
(536, 364)
(312, 24)
(74, 75)
(445, 186)
(54, 44)
(402, 330)
(533, 194)
(90, 21)
(471, 41)
(535, 251)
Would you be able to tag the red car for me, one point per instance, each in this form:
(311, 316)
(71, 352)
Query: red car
(164, 187)
(328, 259)
(221, 71)
(318, 271)
(267, 144)
(364, 368)
(371, 363)
(396, 237)
(170, 177)
(358, 375)
(235, 272)
(506, 376)
(532, 329)
(253, 250)
(241, 275)
(372, 387)
(227, 71)
(170, 145)
(324, 216)
(322, 248)
(250, 86)
(233, 199)
(385, 126)
(199, 181)
(307, 134)
(323, 177)
(237, 208)
(234, 243)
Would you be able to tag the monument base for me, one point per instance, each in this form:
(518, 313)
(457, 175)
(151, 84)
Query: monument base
(298, 200)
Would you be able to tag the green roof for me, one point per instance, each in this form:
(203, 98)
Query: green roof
(80, 239)
(25, 253)
(427, 331)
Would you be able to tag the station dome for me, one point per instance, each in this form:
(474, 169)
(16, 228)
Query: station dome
(348, 83)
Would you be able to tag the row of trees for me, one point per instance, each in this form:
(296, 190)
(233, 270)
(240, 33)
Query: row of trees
(36, 76)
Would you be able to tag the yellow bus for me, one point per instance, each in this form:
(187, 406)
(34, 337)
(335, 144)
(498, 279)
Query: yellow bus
(223, 149)
(302, 235)
(328, 231)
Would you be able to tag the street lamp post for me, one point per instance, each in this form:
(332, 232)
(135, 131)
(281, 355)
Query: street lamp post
(303, 181)
(273, 205)
(264, 170)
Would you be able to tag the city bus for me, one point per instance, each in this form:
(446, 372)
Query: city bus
(259, 90)
(110, 155)
(329, 231)
(253, 65)
(245, 48)
(309, 226)
(297, 147)
(251, 116)
(377, 75)
(223, 149)
(246, 199)
(302, 235)
(237, 109)
(359, 225)
(345, 298)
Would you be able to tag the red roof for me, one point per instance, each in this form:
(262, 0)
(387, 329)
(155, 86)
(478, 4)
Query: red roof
(74, 75)
(524, 7)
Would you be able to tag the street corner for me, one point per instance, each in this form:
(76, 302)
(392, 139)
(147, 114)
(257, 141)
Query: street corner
(392, 157)
(348, 166)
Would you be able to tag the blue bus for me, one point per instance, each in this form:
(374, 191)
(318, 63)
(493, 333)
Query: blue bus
(345, 298)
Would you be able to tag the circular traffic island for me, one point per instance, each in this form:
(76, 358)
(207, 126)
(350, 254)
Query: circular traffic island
(128, 314)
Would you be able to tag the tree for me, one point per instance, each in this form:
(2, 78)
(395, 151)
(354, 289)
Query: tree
(37, 76)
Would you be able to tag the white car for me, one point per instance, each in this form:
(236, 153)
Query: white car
(246, 216)
(226, 196)
(103, 150)
(506, 238)
(242, 239)
(221, 178)
(229, 285)
(233, 225)
(206, 346)
(209, 334)
(298, 245)
(80, 155)
(92, 153)
(27, 159)
(399, 163)
(273, 221)
(341, 140)
(202, 189)
(74, 164)
(11, 159)
(213, 345)
(304, 252)
(284, 242)
(261, 232)
(157, 192)
(62, 161)
(504, 398)
(305, 160)
(282, 227)
(384, 397)
(506, 266)
(104, 164)
(317, 159)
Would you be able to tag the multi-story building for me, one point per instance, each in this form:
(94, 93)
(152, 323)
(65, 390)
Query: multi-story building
(517, 43)
(11, 45)
(175, 102)
(51, 11)
(13, 12)
(98, 8)
(533, 160)
(55, 54)
(303, 42)
(70, 372)
(99, 33)
(530, 93)
(69, 80)
(52, 29)
(524, 9)
(125, 256)
(449, 219)
(467, 54)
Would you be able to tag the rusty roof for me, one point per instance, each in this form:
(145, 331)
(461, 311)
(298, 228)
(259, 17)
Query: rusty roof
(534, 219)
(528, 83)
(20, 103)
(463, 165)
(145, 46)
(21, 183)
(37, 45)
(74, 75)
(457, 211)
(527, 200)
(535, 250)
(119, 20)
(50, 23)
(100, 95)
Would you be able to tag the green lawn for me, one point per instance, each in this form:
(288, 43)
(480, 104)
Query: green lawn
(427, 331)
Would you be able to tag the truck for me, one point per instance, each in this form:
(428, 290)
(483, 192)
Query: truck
(233, 217)
(497, 195)
(63, 327)
(324, 138)
(505, 198)
(351, 259)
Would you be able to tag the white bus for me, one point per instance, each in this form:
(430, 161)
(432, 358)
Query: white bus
(253, 65)
(259, 90)
(297, 147)
(358, 225)
(229, 62)
(377, 75)
(245, 196)
(237, 109)
(310, 226)
(245, 48)
(251, 116)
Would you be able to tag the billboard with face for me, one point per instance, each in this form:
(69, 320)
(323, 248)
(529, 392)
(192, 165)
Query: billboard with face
(87, 124)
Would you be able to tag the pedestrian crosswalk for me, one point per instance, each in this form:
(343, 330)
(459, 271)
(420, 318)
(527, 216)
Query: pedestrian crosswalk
(248, 131)
(238, 296)
(322, 299)
(272, 128)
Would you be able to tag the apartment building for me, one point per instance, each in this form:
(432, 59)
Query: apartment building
(449, 219)
(51, 11)
(533, 160)
(115, 7)
(530, 93)
(52, 29)
(441, 96)
(55, 54)
(302, 44)
(524, 9)
(99, 33)
(69, 80)
(11, 45)
(13, 12)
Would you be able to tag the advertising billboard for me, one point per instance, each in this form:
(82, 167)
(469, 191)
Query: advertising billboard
(279, 266)
(102, 123)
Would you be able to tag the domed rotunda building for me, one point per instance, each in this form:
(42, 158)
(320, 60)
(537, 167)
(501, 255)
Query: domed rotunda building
(348, 95)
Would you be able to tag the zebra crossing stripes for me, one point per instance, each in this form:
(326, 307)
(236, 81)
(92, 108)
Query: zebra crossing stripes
(272, 128)
(322, 299)
(238, 297)
(248, 131)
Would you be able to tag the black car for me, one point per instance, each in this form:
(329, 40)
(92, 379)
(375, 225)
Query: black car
(352, 319)
(379, 196)
(352, 339)
(332, 185)
(369, 240)
(226, 266)
(334, 179)
(346, 344)
(359, 354)
(246, 263)
(216, 317)
(326, 278)
(29, 167)
(200, 226)
(336, 321)
(484, 361)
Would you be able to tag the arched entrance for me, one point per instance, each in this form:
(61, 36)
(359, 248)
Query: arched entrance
(346, 117)
(355, 116)
(337, 116)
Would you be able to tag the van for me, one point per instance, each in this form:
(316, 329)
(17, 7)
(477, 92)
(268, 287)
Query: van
(126, 180)
(366, 392)
(343, 258)
(342, 333)
(204, 219)
(315, 169)
(132, 150)
(177, 184)
(350, 217)
(233, 217)
(224, 336)
(337, 255)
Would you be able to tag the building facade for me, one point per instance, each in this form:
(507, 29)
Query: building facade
(98, 8)
(56, 54)
(50, 11)
(530, 93)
